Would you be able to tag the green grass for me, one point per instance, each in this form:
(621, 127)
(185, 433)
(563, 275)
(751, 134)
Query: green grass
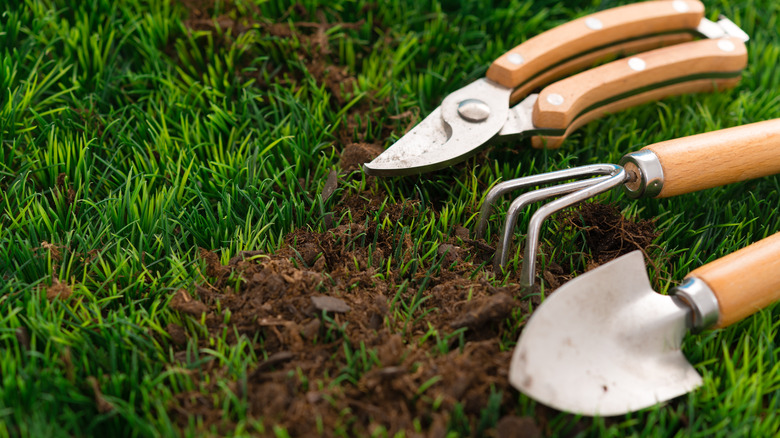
(128, 141)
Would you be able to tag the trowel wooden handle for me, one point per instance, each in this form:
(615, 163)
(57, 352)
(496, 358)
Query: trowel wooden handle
(689, 67)
(592, 33)
(745, 281)
(719, 157)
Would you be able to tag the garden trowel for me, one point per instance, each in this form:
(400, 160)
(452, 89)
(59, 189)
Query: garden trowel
(607, 344)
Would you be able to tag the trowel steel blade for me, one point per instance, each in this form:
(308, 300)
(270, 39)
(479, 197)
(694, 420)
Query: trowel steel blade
(605, 344)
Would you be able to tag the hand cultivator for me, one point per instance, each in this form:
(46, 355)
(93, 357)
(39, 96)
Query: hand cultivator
(661, 170)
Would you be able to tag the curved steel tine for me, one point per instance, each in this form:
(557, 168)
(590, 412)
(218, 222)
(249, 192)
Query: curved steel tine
(535, 224)
(531, 181)
(522, 201)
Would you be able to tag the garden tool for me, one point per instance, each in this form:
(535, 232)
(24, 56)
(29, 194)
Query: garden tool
(488, 108)
(606, 344)
(660, 170)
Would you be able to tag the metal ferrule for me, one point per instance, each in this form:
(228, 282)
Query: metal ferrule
(695, 293)
(647, 175)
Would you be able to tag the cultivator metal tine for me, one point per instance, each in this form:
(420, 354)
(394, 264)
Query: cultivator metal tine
(502, 188)
(526, 199)
(535, 224)
(571, 193)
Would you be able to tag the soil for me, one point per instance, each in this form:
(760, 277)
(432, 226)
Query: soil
(608, 234)
(335, 346)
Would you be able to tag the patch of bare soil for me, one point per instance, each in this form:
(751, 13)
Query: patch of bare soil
(345, 343)
(338, 345)
(608, 234)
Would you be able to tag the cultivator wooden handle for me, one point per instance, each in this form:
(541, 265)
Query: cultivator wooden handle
(745, 281)
(717, 158)
(584, 41)
(697, 66)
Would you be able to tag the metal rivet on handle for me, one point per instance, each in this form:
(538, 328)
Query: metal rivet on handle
(680, 6)
(636, 64)
(726, 45)
(555, 99)
(515, 58)
(593, 23)
(474, 110)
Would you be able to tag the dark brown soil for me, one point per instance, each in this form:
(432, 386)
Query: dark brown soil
(336, 347)
(58, 290)
(354, 155)
(323, 296)
(608, 234)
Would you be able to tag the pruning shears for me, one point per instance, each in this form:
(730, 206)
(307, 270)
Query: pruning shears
(500, 106)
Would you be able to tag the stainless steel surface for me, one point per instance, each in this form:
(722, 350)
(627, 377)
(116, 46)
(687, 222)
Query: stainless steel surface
(474, 110)
(505, 241)
(732, 29)
(502, 188)
(604, 344)
(519, 121)
(535, 224)
(649, 171)
(445, 137)
(702, 301)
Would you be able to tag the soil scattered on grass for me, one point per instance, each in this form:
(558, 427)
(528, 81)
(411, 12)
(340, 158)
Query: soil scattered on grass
(342, 338)
(58, 290)
(343, 342)
(323, 312)
(354, 155)
(608, 234)
(310, 43)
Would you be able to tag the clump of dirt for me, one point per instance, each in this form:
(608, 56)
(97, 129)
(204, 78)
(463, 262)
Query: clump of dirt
(182, 302)
(58, 290)
(521, 427)
(608, 234)
(354, 155)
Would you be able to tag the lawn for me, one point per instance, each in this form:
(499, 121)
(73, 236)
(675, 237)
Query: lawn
(188, 245)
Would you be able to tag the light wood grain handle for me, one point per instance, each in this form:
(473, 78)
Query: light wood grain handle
(745, 281)
(719, 157)
(696, 86)
(599, 56)
(563, 102)
(592, 33)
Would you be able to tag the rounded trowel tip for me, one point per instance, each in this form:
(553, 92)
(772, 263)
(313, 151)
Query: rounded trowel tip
(604, 344)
